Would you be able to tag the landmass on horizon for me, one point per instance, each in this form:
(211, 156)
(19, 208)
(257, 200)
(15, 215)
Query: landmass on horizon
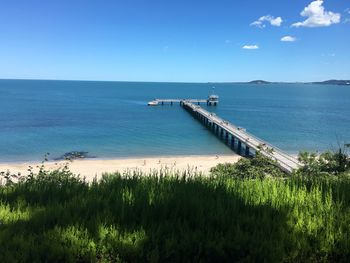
(326, 82)
(258, 81)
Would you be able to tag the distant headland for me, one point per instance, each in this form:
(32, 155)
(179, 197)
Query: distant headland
(334, 82)
(326, 82)
(259, 82)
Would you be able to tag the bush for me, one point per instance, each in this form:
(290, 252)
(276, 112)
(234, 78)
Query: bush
(257, 167)
(325, 164)
(226, 217)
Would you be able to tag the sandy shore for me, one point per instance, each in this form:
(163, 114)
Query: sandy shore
(89, 168)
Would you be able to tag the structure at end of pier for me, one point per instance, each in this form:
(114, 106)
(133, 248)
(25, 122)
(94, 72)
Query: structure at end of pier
(212, 100)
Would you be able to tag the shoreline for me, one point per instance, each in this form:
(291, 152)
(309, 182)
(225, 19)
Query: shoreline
(112, 158)
(94, 167)
(31, 162)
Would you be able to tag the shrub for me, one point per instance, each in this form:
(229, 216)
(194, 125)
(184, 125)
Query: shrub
(325, 164)
(226, 217)
(256, 167)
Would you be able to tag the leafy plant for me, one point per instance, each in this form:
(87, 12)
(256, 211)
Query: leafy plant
(236, 214)
(327, 163)
(259, 166)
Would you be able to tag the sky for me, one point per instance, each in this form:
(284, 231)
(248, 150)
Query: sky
(175, 40)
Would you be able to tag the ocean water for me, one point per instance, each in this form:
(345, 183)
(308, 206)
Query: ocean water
(111, 119)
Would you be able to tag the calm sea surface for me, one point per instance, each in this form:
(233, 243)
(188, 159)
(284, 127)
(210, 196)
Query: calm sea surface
(111, 119)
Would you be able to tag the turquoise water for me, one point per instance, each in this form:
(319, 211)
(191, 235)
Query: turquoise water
(111, 119)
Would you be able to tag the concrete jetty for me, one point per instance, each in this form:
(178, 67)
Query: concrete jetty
(239, 139)
(212, 100)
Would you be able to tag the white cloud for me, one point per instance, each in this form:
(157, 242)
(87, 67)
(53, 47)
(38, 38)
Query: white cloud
(276, 21)
(317, 16)
(347, 19)
(288, 39)
(250, 47)
(270, 19)
(258, 24)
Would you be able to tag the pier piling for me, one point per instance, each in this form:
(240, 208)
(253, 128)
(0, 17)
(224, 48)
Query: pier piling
(239, 147)
(246, 151)
(232, 142)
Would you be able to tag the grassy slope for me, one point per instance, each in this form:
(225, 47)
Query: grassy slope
(58, 218)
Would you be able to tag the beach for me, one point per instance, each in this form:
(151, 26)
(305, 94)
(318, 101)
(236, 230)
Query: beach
(91, 168)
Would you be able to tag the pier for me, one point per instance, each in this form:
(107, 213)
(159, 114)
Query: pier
(239, 139)
(177, 101)
(212, 100)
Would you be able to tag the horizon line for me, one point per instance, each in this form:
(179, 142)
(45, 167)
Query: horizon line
(185, 82)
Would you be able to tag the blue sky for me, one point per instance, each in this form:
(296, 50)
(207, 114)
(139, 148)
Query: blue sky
(178, 40)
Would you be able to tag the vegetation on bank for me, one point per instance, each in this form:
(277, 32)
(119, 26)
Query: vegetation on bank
(246, 212)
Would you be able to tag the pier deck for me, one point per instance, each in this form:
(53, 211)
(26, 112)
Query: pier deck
(162, 101)
(239, 136)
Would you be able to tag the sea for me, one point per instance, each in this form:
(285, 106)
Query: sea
(112, 119)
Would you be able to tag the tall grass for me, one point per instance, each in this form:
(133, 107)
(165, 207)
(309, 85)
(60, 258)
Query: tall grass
(57, 217)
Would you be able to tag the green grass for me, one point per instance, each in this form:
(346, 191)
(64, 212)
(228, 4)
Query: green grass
(57, 217)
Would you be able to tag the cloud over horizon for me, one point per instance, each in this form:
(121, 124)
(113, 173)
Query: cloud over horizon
(270, 19)
(250, 47)
(317, 16)
(288, 39)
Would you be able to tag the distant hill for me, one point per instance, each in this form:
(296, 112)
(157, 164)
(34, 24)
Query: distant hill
(334, 82)
(259, 82)
(326, 82)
